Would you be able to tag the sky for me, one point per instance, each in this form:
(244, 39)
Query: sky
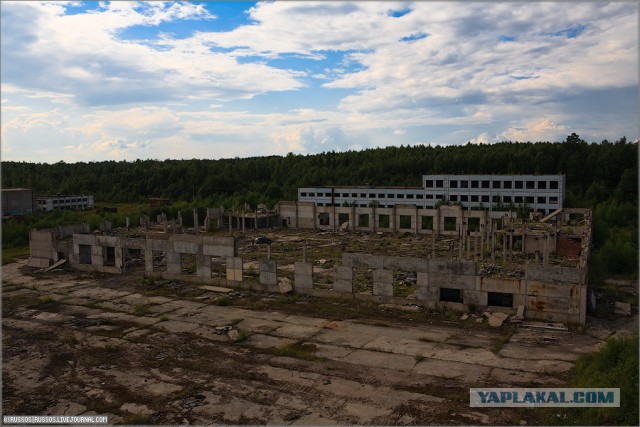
(95, 81)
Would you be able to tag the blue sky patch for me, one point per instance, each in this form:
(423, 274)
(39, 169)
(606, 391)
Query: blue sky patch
(415, 36)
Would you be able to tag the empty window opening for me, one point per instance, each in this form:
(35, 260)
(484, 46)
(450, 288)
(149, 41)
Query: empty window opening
(383, 221)
(485, 184)
(159, 261)
(405, 221)
(85, 254)
(531, 185)
(188, 264)
(218, 267)
(362, 280)
(473, 224)
(428, 183)
(342, 218)
(450, 295)
(427, 222)
(500, 299)
(109, 253)
(404, 283)
(542, 185)
(450, 223)
(363, 220)
(453, 184)
(323, 218)
(553, 185)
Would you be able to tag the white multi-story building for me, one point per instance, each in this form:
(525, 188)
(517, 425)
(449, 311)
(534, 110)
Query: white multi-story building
(64, 202)
(542, 193)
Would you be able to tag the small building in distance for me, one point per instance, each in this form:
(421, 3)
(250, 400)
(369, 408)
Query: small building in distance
(155, 202)
(17, 202)
(64, 202)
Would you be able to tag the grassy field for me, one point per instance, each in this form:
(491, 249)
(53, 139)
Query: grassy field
(12, 254)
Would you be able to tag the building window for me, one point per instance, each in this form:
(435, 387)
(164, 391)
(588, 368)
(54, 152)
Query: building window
(506, 199)
(450, 295)
(400, 196)
(453, 184)
(323, 218)
(529, 199)
(450, 223)
(312, 194)
(496, 184)
(427, 222)
(519, 184)
(303, 194)
(383, 221)
(440, 196)
(409, 196)
(363, 220)
(496, 199)
(405, 221)
(391, 196)
(474, 184)
(429, 196)
(428, 183)
(345, 194)
(464, 198)
(439, 183)
(453, 197)
(542, 200)
(500, 299)
(531, 185)
(419, 196)
(542, 185)
(506, 184)
(474, 198)
(381, 196)
(518, 199)
(485, 184)
(473, 224)
(464, 184)
(485, 199)
(320, 204)
(363, 195)
(553, 185)
(329, 194)
(553, 200)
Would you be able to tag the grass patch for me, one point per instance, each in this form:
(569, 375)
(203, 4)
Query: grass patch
(141, 309)
(614, 366)
(10, 255)
(497, 345)
(298, 350)
(164, 318)
(223, 301)
(418, 357)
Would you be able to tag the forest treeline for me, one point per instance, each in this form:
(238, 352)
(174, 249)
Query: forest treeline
(594, 172)
(601, 176)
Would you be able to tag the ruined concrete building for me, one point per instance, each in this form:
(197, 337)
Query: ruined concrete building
(470, 259)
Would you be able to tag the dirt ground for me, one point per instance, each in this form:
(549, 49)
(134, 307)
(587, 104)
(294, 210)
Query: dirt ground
(144, 352)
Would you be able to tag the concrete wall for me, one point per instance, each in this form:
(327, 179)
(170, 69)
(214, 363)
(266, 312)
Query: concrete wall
(306, 215)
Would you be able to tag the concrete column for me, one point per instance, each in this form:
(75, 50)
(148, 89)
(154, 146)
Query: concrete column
(243, 225)
(128, 220)
(268, 272)
(382, 282)
(164, 224)
(196, 222)
(203, 266)
(148, 260)
(504, 247)
(545, 259)
(230, 223)
(303, 275)
(180, 217)
(173, 262)
(269, 251)
(394, 228)
(256, 223)
(510, 246)
(343, 280)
